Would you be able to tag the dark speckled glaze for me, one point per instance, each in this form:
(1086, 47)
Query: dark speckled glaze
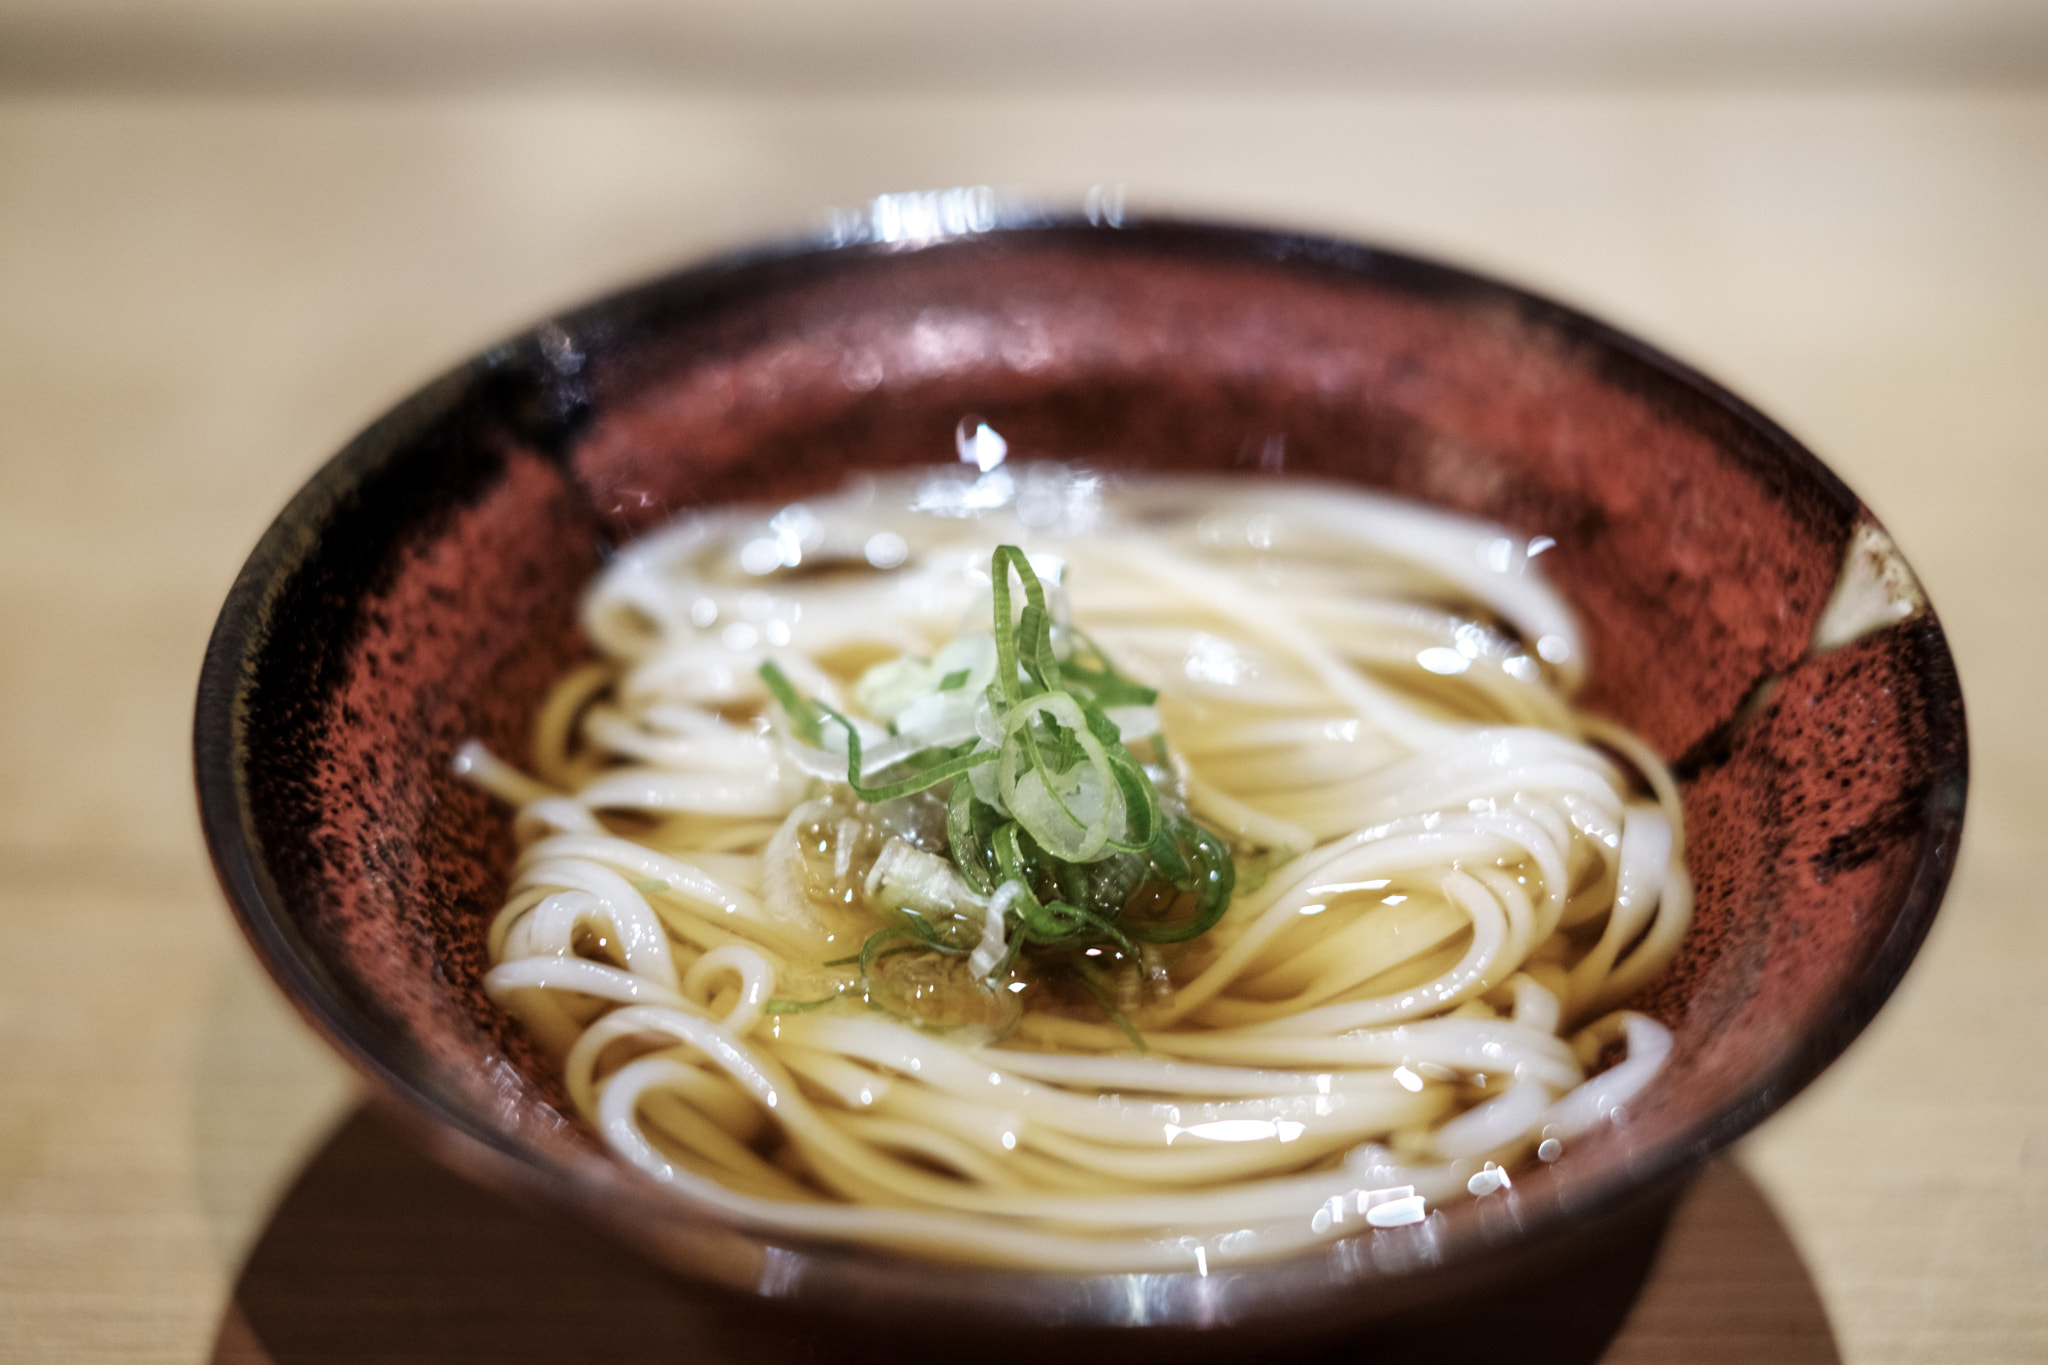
(422, 590)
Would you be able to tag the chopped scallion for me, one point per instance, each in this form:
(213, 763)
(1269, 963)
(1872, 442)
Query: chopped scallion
(1060, 814)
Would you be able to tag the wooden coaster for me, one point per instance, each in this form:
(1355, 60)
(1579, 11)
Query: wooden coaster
(376, 1253)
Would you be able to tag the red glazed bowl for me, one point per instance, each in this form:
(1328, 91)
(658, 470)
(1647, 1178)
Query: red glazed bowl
(421, 591)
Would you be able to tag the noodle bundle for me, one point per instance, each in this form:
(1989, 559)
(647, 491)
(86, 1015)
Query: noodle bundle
(1328, 899)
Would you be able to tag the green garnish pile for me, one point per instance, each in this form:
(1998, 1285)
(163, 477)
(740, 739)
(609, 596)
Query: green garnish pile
(1049, 814)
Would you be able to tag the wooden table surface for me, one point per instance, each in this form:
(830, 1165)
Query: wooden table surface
(201, 298)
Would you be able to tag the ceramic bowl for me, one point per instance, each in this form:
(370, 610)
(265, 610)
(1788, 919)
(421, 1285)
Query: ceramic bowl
(1745, 613)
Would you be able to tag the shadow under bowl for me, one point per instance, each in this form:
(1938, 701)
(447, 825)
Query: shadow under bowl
(1745, 615)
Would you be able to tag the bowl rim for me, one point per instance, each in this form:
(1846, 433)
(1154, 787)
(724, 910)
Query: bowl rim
(839, 1278)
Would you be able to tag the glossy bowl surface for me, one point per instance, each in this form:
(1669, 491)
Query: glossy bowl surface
(421, 591)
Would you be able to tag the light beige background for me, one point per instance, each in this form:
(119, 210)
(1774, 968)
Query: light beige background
(231, 233)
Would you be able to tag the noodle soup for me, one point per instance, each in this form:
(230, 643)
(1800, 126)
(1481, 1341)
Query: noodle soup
(1015, 865)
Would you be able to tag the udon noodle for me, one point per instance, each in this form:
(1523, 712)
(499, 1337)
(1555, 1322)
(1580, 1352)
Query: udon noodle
(1442, 881)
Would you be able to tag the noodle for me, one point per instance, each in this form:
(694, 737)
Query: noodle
(1441, 881)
